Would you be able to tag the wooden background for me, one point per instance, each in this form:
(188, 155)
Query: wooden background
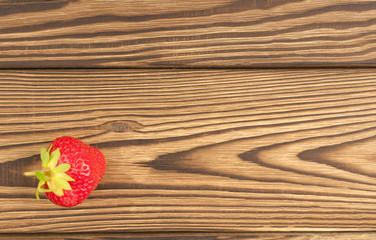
(218, 119)
(194, 33)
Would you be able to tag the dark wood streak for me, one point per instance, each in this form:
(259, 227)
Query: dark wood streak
(252, 156)
(24, 6)
(175, 162)
(315, 155)
(353, 7)
(13, 178)
(235, 7)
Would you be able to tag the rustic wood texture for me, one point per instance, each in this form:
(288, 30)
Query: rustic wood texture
(218, 150)
(196, 33)
(199, 236)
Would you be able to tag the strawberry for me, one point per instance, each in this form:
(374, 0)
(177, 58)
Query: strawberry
(71, 171)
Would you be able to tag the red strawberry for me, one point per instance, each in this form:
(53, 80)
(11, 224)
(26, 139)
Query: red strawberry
(71, 172)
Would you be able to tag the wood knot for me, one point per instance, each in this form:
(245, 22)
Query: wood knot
(121, 126)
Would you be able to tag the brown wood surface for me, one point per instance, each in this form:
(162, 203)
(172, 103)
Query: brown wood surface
(198, 150)
(199, 236)
(195, 33)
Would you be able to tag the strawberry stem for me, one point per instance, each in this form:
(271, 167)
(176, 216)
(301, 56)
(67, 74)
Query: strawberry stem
(52, 178)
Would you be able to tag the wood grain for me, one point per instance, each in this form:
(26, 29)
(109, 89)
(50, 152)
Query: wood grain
(196, 33)
(200, 151)
(199, 236)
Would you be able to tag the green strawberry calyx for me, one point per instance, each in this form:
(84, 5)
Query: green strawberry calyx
(52, 178)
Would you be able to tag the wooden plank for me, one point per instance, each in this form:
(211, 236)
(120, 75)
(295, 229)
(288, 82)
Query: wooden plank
(196, 33)
(200, 236)
(266, 150)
